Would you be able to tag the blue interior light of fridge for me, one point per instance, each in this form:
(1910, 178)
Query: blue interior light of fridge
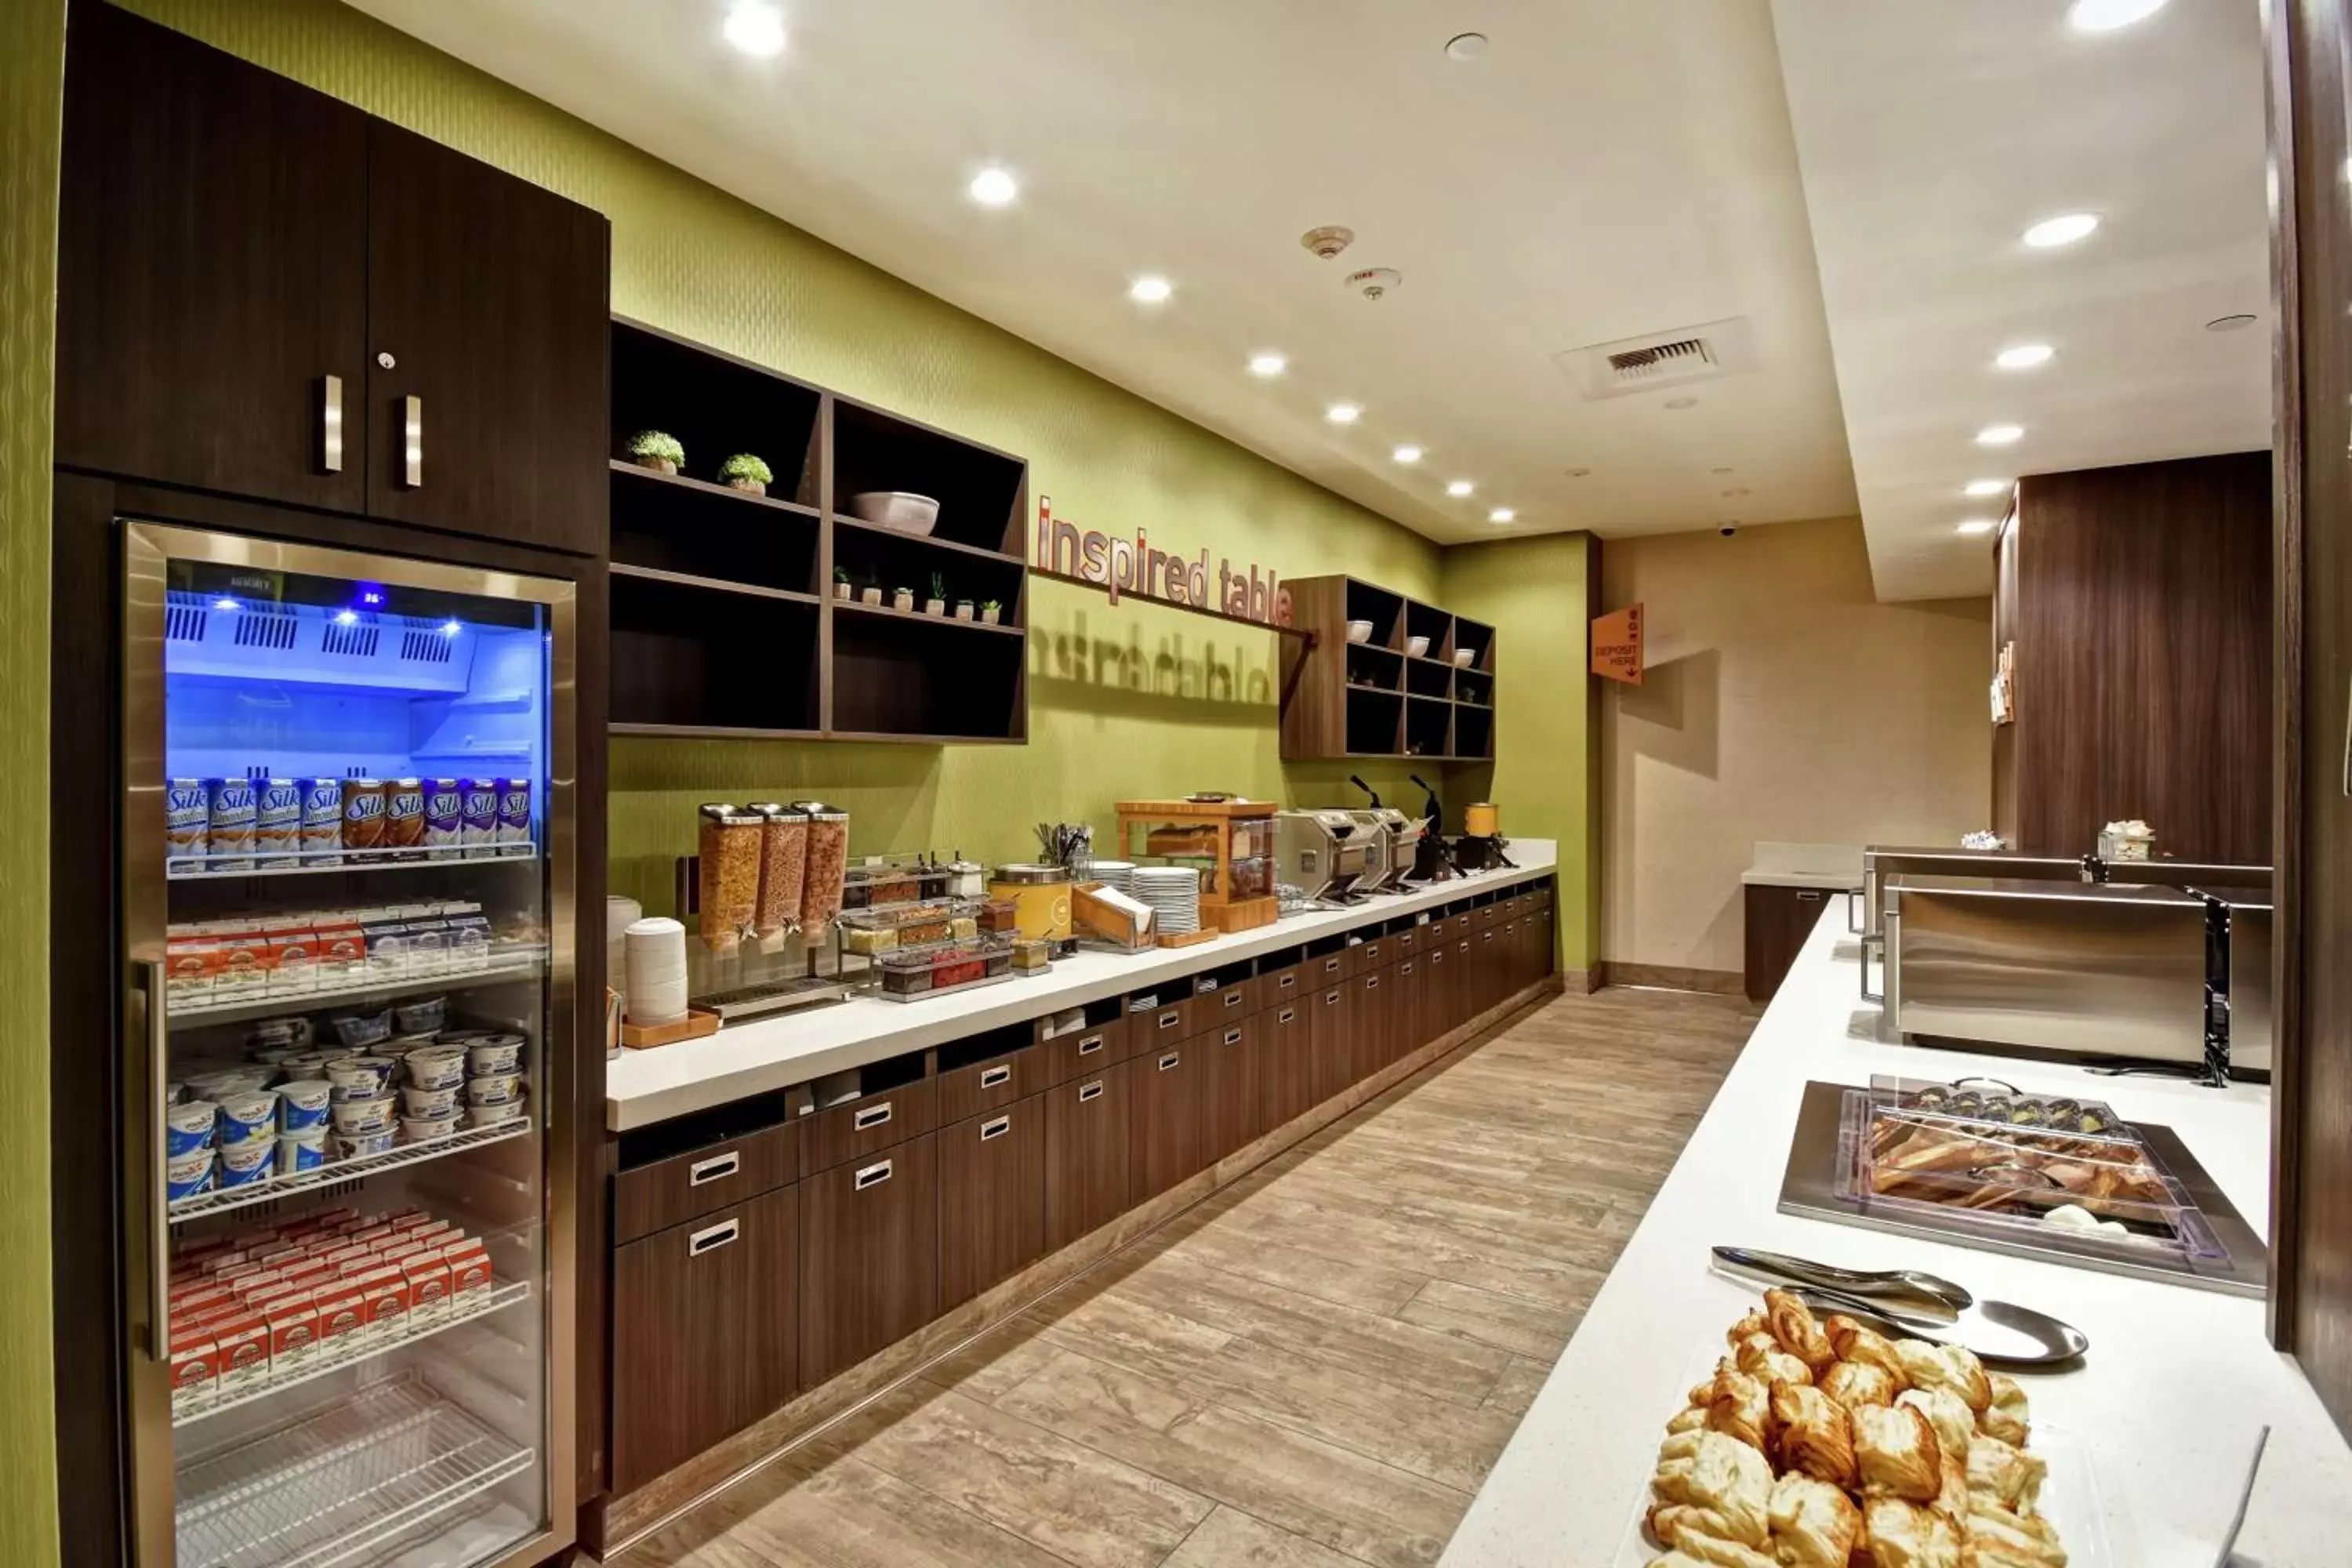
(349, 617)
(450, 628)
(225, 603)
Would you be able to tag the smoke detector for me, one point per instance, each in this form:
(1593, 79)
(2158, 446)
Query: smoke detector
(1671, 358)
(1328, 241)
(1374, 281)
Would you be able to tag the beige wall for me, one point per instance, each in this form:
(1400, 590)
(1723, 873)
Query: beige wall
(1781, 702)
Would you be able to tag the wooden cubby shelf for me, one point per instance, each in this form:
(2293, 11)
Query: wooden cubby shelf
(725, 620)
(1375, 699)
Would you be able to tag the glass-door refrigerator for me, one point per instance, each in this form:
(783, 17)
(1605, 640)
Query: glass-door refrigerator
(347, 875)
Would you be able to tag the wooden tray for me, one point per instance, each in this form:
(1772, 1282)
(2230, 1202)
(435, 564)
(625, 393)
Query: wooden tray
(1190, 937)
(693, 1026)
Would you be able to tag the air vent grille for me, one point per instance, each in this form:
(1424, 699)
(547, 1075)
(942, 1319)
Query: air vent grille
(185, 618)
(263, 625)
(356, 640)
(1672, 358)
(426, 645)
(1677, 357)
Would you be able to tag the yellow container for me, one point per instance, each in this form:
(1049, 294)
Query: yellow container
(1040, 896)
(1482, 820)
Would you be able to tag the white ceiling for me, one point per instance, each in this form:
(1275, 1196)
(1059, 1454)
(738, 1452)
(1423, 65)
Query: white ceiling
(1931, 132)
(1607, 170)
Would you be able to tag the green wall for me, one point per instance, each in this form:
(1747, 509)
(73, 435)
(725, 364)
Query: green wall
(1125, 703)
(32, 51)
(1544, 778)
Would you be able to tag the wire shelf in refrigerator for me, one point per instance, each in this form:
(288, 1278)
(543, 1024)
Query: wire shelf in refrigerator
(518, 963)
(343, 862)
(336, 1173)
(352, 1350)
(340, 1481)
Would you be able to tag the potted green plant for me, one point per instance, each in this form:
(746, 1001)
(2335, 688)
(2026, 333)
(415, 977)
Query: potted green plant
(988, 612)
(656, 449)
(937, 605)
(841, 582)
(963, 609)
(744, 471)
(902, 599)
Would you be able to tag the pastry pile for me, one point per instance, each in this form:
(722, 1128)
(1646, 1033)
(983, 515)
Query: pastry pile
(1821, 1444)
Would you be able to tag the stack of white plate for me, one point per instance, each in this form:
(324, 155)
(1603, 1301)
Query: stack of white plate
(1174, 894)
(1118, 874)
(655, 954)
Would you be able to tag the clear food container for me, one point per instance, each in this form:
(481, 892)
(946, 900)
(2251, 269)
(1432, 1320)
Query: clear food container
(910, 973)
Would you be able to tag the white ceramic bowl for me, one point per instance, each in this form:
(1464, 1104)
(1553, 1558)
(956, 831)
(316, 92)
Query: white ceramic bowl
(906, 512)
(1417, 646)
(1463, 658)
(1359, 631)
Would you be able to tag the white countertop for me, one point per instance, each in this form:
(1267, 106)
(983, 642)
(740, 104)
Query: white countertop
(2166, 1404)
(1832, 867)
(645, 1086)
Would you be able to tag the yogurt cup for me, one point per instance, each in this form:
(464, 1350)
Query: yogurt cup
(357, 1077)
(415, 1101)
(437, 1067)
(498, 1054)
(248, 1119)
(302, 1106)
(273, 1055)
(359, 1145)
(425, 1129)
(218, 1083)
(463, 1036)
(313, 1063)
(188, 1127)
(300, 1151)
(244, 1164)
(421, 1016)
(187, 1174)
(354, 1117)
(491, 1115)
(498, 1088)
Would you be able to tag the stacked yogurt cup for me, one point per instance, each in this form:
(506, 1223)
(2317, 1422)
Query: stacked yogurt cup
(469, 1077)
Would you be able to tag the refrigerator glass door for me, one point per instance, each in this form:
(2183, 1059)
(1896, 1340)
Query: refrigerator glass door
(346, 875)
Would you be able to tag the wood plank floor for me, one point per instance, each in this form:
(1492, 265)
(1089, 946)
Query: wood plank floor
(1312, 1369)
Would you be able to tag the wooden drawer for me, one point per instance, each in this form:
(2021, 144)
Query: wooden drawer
(1378, 1003)
(1331, 1014)
(1321, 974)
(1229, 1002)
(672, 1191)
(1232, 1110)
(1368, 956)
(1283, 987)
(867, 1125)
(1164, 1084)
(986, 1084)
(1164, 1026)
(1485, 916)
(1088, 1050)
(1285, 1060)
(1407, 942)
(991, 1198)
(869, 1256)
(705, 1337)
(1087, 1153)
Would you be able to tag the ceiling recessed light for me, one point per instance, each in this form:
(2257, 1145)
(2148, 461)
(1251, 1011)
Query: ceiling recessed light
(2000, 434)
(1268, 365)
(2064, 229)
(1679, 404)
(2106, 15)
(1406, 453)
(1465, 46)
(1343, 414)
(1459, 488)
(1982, 487)
(1978, 525)
(994, 188)
(2023, 356)
(756, 28)
(1151, 290)
(1502, 514)
(2229, 323)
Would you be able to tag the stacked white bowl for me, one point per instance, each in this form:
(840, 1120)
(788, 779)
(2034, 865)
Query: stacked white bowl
(1174, 894)
(656, 971)
(620, 914)
(1117, 875)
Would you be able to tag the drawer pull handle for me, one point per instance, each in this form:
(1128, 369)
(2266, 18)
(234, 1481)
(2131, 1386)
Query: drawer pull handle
(1090, 1091)
(1169, 1020)
(874, 1175)
(1090, 1045)
(1233, 1036)
(990, 1076)
(1286, 1015)
(1810, 896)
(1234, 998)
(715, 1167)
(1330, 966)
(1405, 968)
(716, 1235)
(1330, 998)
(872, 1116)
(1371, 983)
(1287, 983)
(997, 1129)
(1171, 1059)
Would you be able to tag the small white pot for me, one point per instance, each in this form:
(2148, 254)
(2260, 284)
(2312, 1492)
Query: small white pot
(753, 486)
(963, 609)
(936, 607)
(841, 591)
(988, 617)
(904, 599)
(870, 596)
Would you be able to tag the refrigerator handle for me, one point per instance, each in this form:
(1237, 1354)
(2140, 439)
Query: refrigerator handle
(412, 442)
(154, 1035)
(330, 423)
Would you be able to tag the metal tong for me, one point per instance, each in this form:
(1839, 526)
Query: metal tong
(1909, 1304)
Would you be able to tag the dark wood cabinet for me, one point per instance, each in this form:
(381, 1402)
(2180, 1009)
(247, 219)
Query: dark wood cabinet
(1438, 987)
(1376, 1001)
(1411, 1005)
(1285, 1060)
(1164, 1088)
(1332, 1012)
(704, 1338)
(869, 1254)
(1088, 1151)
(991, 1198)
(1233, 1086)
(211, 270)
(488, 344)
(667, 1192)
(1777, 922)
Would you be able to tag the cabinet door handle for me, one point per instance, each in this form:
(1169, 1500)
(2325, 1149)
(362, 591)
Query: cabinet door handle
(1172, 1058)
(1169, 1020)
(715, 1167)
(1090, 1091)
(874, 1175)
(872, 1116)
(1233, 999)
(412, 442)
(1330, 998)
(1233, 1036)
(1331, 966)
(1405, 968)
(1090, 1045)
(1810, 896)
(330, 423)
(995, 1128)
(1371, 983)
(713, 1236)
(1286, 1015)
(990, 1076)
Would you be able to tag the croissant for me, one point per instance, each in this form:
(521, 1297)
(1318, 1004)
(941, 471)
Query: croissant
(1691, 1420)
(1724, 1555)
(1945, 1366)
(1694, 1541)
(1814, 1525)
(1740, 1406)
(1794, 1326)
(1855, 1383)
(1755, 1322)
(2004, 1474)
(1813, 1434)
(1854, 1342)
(1761, 1357)
(1999, 1539)
(1903, 1535)
(2006, 1416)
(1895, 1450)
(1949, 1414)
(1720, 1474)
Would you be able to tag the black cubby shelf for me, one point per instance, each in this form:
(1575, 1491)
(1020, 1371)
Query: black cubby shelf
(725, 620)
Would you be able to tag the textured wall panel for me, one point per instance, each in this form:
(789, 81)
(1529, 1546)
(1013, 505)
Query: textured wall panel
(1131, 702)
